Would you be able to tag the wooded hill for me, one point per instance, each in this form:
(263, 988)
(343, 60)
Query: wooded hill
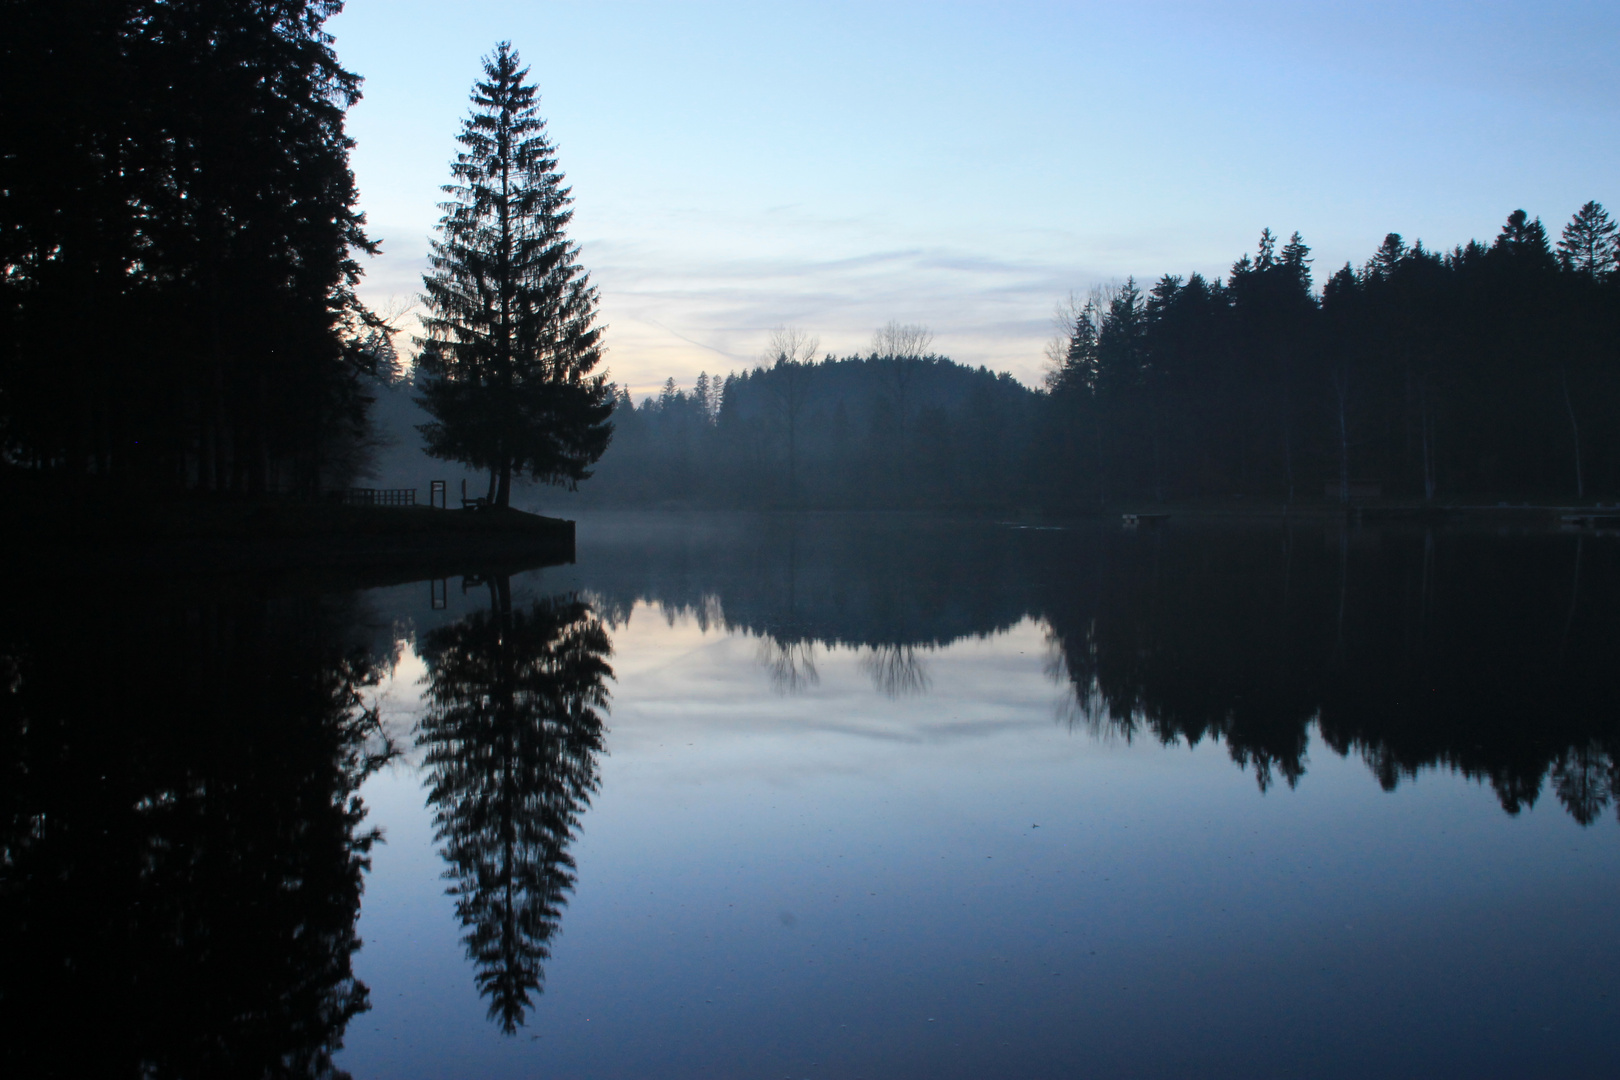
(872, 431)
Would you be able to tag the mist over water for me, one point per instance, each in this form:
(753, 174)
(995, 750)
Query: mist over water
(831, 795)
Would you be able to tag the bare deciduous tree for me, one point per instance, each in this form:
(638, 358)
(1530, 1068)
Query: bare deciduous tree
(901, 341)
(789, 344)
(392, 316)
(788, 352)
(1066, 314)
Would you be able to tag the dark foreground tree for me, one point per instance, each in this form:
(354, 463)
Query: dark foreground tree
(178, 224)
(509, 341)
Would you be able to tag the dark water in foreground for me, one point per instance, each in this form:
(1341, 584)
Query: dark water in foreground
(828, 797)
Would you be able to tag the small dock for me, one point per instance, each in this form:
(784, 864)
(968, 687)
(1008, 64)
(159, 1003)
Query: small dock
(1133, 520)
(1601, 519)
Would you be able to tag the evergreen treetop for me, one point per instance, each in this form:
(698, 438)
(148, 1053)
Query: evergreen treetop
(1589, 245)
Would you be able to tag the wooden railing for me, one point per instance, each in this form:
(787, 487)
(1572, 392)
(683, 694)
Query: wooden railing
(378, 497)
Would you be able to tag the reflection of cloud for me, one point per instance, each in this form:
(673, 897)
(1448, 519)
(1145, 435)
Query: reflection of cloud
(397, 699)
(896, 670)
(688, 660)
(986, 700)
(792, 666)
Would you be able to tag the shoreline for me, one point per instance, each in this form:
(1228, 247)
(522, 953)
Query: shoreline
(284, 539)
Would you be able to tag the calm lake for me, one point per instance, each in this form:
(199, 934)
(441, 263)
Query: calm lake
(829, 796)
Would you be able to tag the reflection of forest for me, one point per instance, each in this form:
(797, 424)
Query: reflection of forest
(1407, 646)
(1487, 654)
(860, 580)
(511, 739)
(182, 848)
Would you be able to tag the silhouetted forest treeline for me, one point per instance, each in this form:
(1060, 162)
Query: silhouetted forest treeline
(178, 230)
(1488, 372)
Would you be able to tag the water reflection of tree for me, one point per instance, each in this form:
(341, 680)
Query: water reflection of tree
(511, 738)
(181, 838)
(1586, 780)
(896, 670)
(790, 664)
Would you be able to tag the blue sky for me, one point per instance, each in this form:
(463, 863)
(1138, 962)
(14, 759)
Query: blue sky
(834, 166)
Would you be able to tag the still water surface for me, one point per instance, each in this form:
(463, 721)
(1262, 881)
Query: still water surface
(839, 797)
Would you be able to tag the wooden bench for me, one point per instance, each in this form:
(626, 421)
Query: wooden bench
(479, 503)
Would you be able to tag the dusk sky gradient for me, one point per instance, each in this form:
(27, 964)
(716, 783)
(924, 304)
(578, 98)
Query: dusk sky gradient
(834, 166)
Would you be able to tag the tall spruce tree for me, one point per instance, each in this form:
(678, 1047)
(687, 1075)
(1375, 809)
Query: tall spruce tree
(1077, 373)
(510, 339)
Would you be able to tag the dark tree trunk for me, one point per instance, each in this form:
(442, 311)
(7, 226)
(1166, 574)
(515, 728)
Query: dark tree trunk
(1575, 433)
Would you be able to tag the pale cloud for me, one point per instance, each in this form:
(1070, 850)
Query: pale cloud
(674, 318)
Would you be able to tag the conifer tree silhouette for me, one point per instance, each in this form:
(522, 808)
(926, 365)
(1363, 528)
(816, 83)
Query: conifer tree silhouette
(510, 339)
